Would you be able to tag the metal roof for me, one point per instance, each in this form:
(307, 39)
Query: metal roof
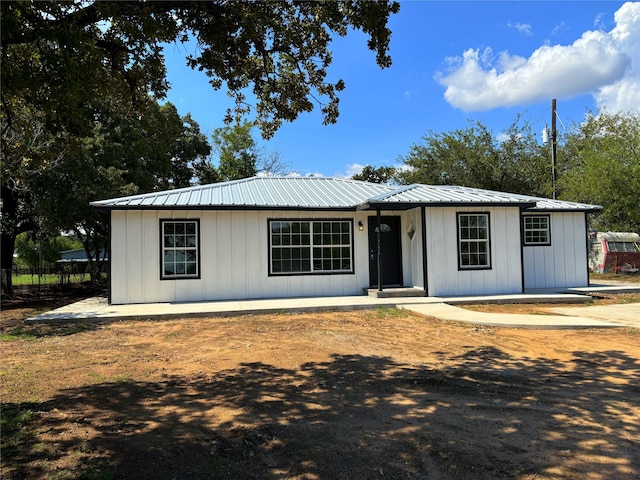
(446, 195)
(257, 192)
(324, 193)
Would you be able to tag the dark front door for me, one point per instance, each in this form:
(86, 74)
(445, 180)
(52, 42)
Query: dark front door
(390, 248)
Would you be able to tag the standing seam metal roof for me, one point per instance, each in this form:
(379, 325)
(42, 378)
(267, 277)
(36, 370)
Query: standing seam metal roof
(324, 193)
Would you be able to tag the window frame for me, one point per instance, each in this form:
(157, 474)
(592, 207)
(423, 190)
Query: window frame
(524, 231)
(459, 240)
(196, 249)
(311, 247)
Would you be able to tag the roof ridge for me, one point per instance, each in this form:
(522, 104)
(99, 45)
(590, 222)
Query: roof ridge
(395, 191)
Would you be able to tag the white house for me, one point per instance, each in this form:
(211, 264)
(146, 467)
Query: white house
(270, 237)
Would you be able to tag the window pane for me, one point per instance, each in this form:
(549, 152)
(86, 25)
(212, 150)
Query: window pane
(331, 250)
(179, 248)
(473, 243)
(536, 230)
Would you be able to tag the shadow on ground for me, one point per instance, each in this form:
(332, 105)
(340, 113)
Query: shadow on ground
(486, 416)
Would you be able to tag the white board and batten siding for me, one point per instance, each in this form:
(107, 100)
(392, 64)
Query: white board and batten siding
(234, 258)
(444, 277)
(563, 263)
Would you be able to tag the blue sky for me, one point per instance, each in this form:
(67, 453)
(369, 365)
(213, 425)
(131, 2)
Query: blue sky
(452, 62)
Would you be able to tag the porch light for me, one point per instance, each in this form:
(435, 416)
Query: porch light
(360, 226)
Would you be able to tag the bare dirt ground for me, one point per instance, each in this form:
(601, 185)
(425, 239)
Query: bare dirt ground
(349, 395)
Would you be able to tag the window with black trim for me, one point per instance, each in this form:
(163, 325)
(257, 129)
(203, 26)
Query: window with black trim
(537, 230)
(180, 249)
(310, 246)
(474, 250)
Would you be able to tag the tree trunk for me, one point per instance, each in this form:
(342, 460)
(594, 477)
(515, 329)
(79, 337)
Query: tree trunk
(8, 234)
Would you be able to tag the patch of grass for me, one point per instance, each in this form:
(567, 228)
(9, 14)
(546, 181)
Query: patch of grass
(17, 334)
(95, 377)
(621, 277)
(33, 332)
(384, 312)
(123, 378)
(12, 424)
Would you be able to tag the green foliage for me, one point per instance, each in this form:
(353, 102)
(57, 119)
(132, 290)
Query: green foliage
(80, 82)
(376, 174)
(237, 152)
(16, 335)
(123, 155)
(28, 248)
(239, 156)
(63, 56)
(602, 167)
(474, 157)
(12, 423)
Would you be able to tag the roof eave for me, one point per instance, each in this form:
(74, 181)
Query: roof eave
(410, 205)
(108, 208)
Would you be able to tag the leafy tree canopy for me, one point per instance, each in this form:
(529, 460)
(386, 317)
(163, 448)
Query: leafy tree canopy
(238, 156)
(376, 174)
(29, 248)
(71, 70)
(602, 167)
(60, 56)
(475, 157)
(124, 155)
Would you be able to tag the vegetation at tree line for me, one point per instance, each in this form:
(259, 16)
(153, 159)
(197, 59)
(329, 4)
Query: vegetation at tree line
(82, 118)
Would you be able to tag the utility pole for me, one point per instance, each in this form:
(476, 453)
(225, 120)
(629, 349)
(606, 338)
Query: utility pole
(553, 147)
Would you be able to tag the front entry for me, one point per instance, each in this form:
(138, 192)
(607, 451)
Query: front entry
(390, 242)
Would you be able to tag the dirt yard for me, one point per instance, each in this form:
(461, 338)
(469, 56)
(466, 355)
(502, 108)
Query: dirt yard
(360, 395)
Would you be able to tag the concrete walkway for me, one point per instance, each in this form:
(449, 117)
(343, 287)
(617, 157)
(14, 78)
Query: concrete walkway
(97, 309)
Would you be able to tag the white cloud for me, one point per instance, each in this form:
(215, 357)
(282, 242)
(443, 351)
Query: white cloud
(558, 29)
(606, 65)
(352, 169)
(523, 28)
